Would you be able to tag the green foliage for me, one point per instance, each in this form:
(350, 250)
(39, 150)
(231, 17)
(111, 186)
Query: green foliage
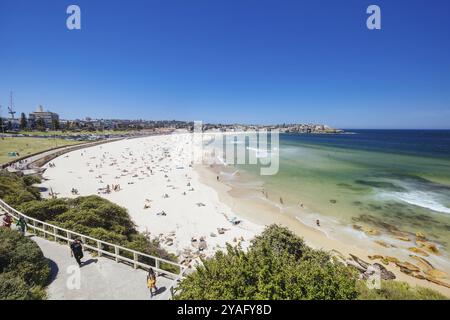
(30, 180)
(16, 190)
(396, 290)
(278, 265)
(24, 271)
(44, 210)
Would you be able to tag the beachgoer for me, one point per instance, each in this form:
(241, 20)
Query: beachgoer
(77, 250)
(22, 225)
(318, 222)
(151, 282)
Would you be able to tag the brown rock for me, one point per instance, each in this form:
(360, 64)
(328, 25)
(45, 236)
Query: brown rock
(408, 266)
(437, 274)
(384, 273)
(421, 235)
(424, 264)
(417, 275)
(384, 244)
(418, 251)
(370, 231)
(429, 246)
(375, 257)
(391, 259)
(359, 261)
(441, 283)
(403, 238)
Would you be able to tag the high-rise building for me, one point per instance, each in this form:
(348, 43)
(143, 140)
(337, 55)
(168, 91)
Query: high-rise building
(48, 117)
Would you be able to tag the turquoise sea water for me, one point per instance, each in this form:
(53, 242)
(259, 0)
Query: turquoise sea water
(392, 180)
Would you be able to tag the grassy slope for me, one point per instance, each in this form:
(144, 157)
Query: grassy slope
(26, 146)
(75, 133)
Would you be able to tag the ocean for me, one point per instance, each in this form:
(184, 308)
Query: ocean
(390, 180)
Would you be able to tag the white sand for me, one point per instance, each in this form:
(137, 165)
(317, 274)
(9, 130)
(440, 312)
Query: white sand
(146, 169)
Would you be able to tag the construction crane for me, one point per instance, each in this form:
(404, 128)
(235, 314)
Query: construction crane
(11, 106)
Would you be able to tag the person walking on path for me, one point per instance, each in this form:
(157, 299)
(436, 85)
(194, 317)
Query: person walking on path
(151, 282)
(21, 225)
(7, 220)
(77, 250)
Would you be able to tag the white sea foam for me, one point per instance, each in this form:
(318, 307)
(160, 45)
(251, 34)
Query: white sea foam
(420, 199)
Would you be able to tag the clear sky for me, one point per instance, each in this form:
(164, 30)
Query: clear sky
(248, 61)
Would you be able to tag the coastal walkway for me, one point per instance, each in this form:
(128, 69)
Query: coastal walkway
(98, 278)
(109, 271)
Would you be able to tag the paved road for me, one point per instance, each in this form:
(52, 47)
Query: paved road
(99, 278)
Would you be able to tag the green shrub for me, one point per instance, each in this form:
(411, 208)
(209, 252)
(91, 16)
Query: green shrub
(14, 190)
(24, 270)
(278, 265)
(30, 180)
(44, 210)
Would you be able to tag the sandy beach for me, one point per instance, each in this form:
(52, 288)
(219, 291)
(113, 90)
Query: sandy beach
(154, 179)
(187, 206)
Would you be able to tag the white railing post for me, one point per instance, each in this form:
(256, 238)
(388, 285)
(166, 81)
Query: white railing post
(135, 259)
(54, 234)
(83, 239)
(99, 248)
(157, 263)
(68, 237)
(45, 233)
(116, 252)
(34, 227)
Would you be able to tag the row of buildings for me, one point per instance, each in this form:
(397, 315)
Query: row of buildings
(41, 119)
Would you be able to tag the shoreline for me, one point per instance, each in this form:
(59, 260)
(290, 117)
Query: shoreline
(264, 214)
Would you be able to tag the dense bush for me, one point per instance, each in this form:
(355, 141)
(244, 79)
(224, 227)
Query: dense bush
(278, 265)
(16, 190)
(24, 271)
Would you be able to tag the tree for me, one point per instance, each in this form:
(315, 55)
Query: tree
(55, 124)
(40, 124)
(278, 265)
(23, 121)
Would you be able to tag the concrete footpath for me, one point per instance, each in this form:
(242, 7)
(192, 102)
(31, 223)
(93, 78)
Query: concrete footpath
(99, 278)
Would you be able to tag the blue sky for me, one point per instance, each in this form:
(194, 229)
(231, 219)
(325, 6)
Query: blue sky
(250, 61)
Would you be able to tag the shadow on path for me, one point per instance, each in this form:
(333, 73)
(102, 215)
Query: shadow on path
(88, 262)
(53, 270)
(160, 290)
